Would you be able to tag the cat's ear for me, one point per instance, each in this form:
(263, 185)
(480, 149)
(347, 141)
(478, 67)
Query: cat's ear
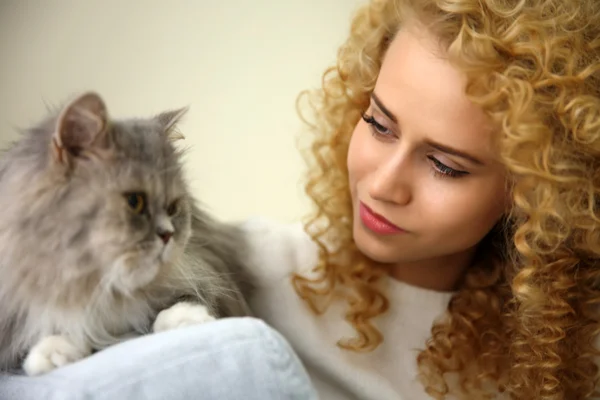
(81, 129)
(168, 121)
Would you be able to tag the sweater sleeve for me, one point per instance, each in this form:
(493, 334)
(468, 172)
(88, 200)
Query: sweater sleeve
(276, 250)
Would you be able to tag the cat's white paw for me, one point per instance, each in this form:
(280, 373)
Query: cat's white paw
(180, 315)
(50, 353)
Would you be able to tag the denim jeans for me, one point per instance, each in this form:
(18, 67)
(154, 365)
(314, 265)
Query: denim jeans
(233, 358)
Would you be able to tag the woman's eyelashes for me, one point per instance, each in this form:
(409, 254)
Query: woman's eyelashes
(377, 129)
(442, 170)
(381, 132)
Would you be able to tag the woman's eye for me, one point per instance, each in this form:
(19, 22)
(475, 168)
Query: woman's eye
(442, 170)
(376, 128)
(172, 208)
(136, 202)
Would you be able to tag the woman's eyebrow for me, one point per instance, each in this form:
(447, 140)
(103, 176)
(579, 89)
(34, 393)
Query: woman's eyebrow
(383, 108)
(458, 153)
(441, 147)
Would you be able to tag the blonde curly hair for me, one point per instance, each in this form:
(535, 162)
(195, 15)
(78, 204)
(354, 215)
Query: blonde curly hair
(524, 320)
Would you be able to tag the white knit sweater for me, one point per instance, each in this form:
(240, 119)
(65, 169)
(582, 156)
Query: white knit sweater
(389, 372)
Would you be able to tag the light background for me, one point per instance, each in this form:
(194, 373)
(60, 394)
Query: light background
(238, 64)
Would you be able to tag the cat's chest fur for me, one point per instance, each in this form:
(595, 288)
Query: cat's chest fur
(101, 322)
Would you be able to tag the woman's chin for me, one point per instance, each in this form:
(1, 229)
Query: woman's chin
(380, 249)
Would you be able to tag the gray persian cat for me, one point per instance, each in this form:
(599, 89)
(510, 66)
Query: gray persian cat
(100, 239)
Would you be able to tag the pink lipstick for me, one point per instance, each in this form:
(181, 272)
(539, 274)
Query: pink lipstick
(377, 223)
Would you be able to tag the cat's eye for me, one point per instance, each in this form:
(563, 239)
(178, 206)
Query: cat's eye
(173, 208)
(136, 201)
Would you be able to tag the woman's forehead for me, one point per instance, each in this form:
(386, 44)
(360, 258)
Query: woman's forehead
(426, 94)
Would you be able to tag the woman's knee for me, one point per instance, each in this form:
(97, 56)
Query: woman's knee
(225, 359)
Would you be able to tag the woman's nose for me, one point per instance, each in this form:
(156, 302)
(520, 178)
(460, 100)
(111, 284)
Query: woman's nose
(391, 182)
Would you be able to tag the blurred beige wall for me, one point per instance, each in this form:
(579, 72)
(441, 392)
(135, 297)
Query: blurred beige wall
(239, 65)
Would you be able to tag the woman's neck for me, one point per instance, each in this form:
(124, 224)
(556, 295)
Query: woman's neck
(442, 274)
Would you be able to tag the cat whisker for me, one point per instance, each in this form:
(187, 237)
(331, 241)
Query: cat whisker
(169, 169)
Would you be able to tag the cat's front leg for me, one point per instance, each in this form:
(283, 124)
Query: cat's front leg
(180, 315)
(52, 352)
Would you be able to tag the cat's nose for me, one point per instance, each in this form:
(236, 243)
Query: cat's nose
(165, 235)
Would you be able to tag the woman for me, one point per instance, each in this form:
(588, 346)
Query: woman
(455, 172)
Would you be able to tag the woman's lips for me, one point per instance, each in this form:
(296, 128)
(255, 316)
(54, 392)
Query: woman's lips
(376, 222)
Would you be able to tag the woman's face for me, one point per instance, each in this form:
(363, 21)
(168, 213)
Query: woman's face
(425, 181)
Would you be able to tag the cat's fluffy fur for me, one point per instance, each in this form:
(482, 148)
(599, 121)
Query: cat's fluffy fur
(80, 260)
